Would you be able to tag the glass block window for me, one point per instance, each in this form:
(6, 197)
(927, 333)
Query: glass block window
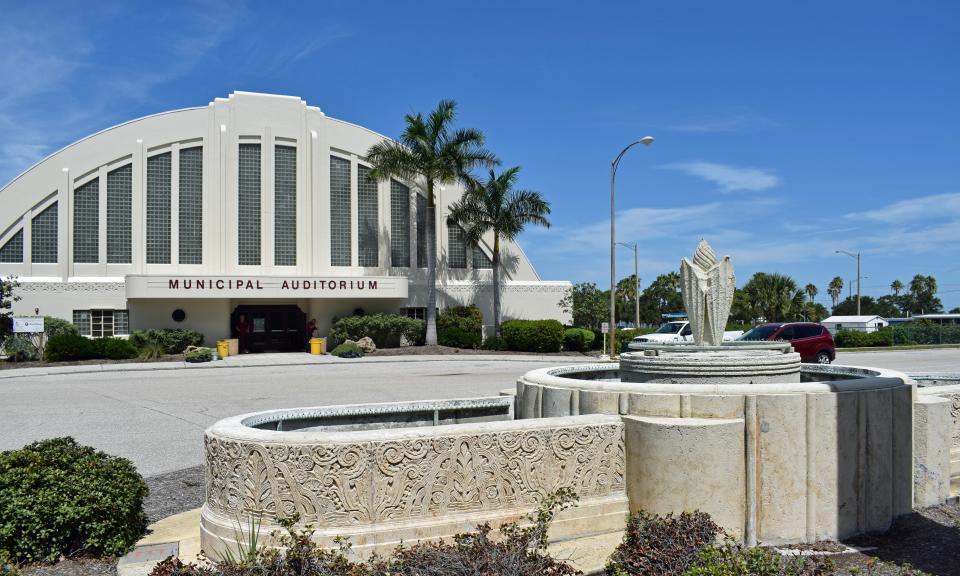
(480, 259)
(367, 218)
(12, 251)
(248, 189)
(81, 319)
(340, 253)
(158, 208)
(285, 206)
(86, 223)
(102, 323)
(121, 322)
(191, 205)
(43, 236)
(456, 247)
(421, 231)
(399, 225)
(119, 215)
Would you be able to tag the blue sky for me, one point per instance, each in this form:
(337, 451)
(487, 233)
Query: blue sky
(784, 131)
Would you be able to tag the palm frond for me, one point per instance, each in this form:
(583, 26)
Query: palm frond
(389, 159)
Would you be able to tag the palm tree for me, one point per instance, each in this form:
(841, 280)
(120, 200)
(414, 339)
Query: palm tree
(811, 290)
(835, 289)
(494, 206)
(896, 286)
(775, 296)
(430, 152)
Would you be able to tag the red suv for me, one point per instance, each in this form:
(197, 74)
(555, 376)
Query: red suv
(812, 341)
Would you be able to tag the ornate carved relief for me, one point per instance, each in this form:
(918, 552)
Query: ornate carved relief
(351, 484)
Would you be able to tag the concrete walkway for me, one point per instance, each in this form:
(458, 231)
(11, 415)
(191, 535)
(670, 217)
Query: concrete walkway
(283, 359)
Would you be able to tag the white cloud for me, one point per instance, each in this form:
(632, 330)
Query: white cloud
(729, 178)
(934, 207)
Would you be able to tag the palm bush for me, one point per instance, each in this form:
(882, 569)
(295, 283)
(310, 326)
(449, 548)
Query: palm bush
(430, 152)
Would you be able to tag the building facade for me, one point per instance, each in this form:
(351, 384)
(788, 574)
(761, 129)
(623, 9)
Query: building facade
(256, 204)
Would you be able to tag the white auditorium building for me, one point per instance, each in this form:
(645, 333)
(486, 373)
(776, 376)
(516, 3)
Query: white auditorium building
(256, 204)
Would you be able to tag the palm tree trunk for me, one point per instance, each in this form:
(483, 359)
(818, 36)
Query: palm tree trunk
(496, 283)
(431, 339)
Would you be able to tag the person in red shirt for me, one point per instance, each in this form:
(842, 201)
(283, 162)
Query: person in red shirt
(242, 330)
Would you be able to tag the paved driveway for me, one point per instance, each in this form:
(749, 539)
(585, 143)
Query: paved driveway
(933, 360)
(157, 418)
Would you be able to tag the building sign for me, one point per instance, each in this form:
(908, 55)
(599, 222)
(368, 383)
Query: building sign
(32, 325)
(190, 286)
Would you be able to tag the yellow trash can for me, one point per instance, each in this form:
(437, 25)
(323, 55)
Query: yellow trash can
(223, 348)
(318, 345)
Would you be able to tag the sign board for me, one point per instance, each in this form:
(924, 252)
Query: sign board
(28, 325)
(605, 328)
(242, 286)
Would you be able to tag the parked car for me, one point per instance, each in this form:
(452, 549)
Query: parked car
(678, 331)
(812, 341)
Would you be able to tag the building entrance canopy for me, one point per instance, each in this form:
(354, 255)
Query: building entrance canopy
(240, 286)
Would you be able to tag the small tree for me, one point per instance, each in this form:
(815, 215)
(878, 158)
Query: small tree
(586, 304)
(494, 206)
(7, 298)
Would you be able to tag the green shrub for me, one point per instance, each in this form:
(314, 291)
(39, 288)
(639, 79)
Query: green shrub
(58, 498)
(494, 343)
(7, 566)
(113, 349)
(151, 351)
(199, 355)
(731, 559)
(926, 332)
(173, 340)
(53, 326)
(347, 350)
(533, 335)
(385, 330)
(856, 339)
(68, 347)
(577, 339)
(19, 349)
(661, 544)
(515, 552)
(460, 327)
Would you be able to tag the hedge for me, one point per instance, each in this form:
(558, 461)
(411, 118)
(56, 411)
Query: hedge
(578, 339)
(385, 330)
(460, 327)
(920, 332)
(533, 335)
(855, 339)
(68, 347)
(20, 349)
(173, 340)
(59, 498)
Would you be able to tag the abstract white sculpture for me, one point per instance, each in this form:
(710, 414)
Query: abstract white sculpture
(707, 287)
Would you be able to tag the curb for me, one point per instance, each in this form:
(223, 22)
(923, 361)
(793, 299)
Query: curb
(324, 360)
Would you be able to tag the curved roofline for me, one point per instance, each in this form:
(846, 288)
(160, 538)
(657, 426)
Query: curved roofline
(89, 136)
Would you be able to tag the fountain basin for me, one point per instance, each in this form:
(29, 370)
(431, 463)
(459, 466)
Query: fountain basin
(382, 484)
(827, 457)
(732, 363)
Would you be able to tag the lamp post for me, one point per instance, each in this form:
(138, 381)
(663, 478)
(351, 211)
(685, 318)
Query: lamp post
(857, 258)
(636, 285)
(646, 141)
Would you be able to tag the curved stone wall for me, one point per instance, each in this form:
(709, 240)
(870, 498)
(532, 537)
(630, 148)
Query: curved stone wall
(820, 459)
(380, 487)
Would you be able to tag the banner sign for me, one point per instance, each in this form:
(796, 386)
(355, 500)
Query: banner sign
(141, 286)
(28, 325)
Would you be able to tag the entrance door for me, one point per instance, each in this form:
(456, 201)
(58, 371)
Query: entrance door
(273, 327)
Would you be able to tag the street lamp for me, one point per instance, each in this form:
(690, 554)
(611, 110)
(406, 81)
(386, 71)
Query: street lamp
(636, 287)
(857, 258)
(646, 141)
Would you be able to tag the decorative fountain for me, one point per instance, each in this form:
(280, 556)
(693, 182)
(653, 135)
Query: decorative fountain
(774, 450)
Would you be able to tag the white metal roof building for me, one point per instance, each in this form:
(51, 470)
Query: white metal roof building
(859, 323)
(257, 201)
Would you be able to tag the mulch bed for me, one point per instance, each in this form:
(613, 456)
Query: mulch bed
(5, 365)
(447, 350)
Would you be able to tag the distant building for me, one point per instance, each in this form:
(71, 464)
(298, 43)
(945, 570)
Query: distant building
(939, 318)
(858, 323)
